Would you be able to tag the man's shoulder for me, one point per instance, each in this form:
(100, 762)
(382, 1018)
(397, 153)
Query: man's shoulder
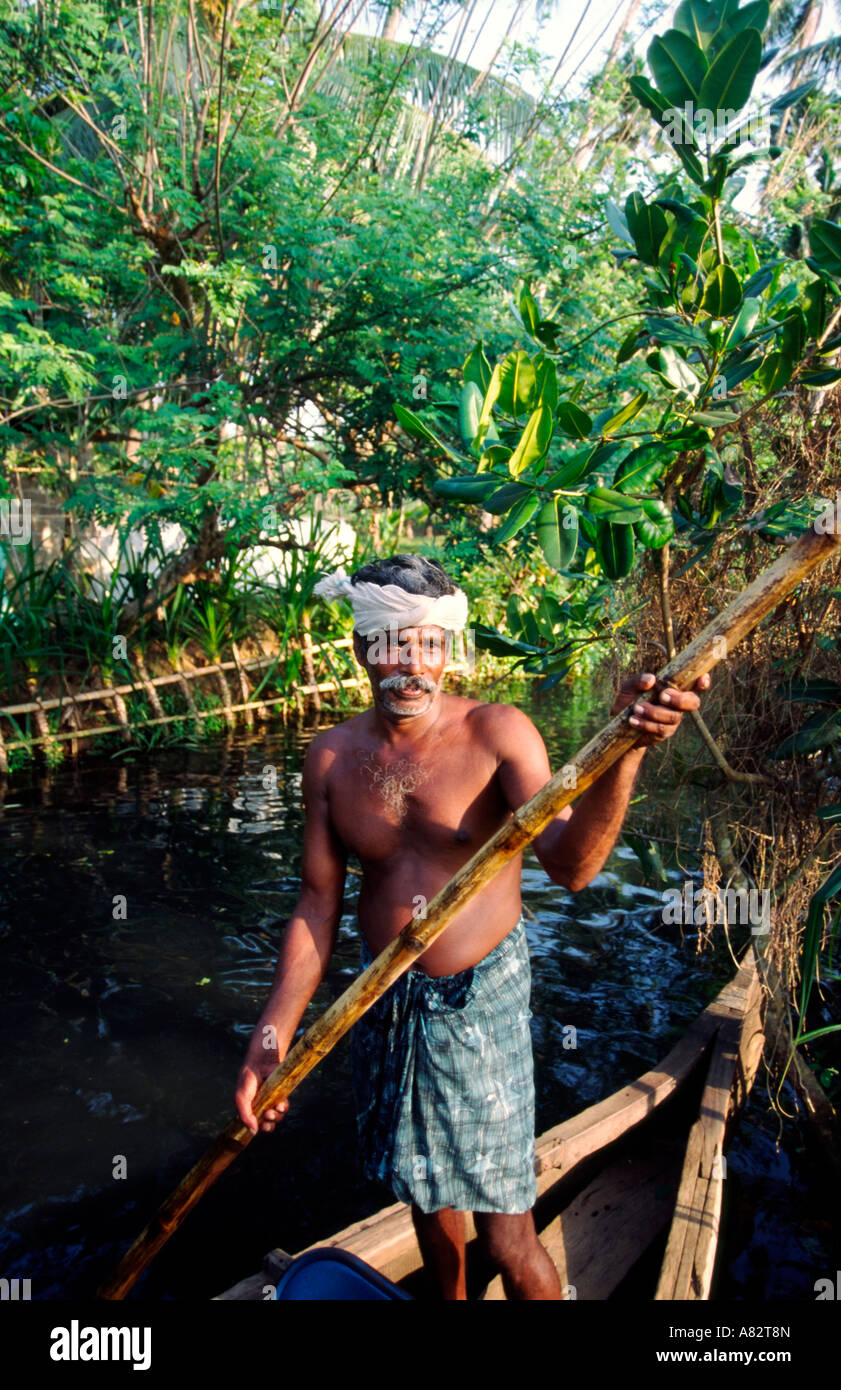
(331, 743)
(501, 723)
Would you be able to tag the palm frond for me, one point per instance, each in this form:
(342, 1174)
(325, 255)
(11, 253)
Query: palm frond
(492, 114)
(822, 58)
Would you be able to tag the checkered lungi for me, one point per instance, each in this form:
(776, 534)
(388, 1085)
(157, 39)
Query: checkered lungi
(443, 1075)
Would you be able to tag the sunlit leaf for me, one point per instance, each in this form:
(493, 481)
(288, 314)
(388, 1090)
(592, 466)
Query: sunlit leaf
(728, 84)
(557, 532)
(642, 468)
(698, 19)
(744, 322)
(517, 384)
(626, 414)
(622, 511)
(678, 66)
(529, 312)
(722, 292)
(534, 441)
(647, 225)
(617, 223)
(413, 424)
(469, 412)
(775, 372)
(657, 526)
(477, 368)
(520, 513)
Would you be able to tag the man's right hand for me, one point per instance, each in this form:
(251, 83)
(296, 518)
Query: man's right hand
(259, 1063)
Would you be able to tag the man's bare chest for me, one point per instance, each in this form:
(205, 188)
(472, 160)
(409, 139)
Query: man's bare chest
(382, 804)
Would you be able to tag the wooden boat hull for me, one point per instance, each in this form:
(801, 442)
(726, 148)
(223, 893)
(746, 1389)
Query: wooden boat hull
(613, 1178)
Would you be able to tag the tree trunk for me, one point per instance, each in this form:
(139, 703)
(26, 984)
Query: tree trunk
(209, 546)
(392, 23)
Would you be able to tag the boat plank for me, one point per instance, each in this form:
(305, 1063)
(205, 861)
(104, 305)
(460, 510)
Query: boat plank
(680, 1219)
(597, 1239)
(565, 1145)
(694, 1279)
(703, 1265)
(689, 1261)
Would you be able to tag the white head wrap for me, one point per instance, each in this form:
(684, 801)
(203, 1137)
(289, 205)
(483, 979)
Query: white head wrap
(379, 606)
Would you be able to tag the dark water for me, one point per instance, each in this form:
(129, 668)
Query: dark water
(123, 1034)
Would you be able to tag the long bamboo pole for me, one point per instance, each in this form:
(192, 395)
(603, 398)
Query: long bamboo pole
(714, 643)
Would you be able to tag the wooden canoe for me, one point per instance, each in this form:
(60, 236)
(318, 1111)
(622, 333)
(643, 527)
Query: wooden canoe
(629, 1191)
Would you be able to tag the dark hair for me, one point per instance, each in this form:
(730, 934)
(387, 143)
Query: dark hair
(414, 573)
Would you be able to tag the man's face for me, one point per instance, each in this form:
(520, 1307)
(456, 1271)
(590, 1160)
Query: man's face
(404, 667)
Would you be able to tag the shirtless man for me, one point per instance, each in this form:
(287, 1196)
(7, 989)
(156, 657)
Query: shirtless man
(413, 787)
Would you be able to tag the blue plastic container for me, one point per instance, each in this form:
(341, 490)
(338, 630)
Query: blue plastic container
(327, 1273)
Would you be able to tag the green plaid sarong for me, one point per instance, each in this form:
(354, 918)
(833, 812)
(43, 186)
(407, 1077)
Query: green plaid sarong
(443, 1076)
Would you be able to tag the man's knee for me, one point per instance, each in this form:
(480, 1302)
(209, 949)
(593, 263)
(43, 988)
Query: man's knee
(508, 1238)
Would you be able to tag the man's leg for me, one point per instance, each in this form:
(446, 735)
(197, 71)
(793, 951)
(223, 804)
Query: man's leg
(510, 1240)
(442, 1240)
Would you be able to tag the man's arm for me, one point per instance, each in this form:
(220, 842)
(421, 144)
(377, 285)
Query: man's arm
(574, 851)
(308, 941)
(576, 844)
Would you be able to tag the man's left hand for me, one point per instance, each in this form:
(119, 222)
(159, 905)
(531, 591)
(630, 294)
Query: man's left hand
(657, 721)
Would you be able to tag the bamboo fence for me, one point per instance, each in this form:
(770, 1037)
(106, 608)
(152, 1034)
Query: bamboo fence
(71, 704)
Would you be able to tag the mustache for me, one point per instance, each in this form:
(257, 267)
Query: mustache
(422, 683)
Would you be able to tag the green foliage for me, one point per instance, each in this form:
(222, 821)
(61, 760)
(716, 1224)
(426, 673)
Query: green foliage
(183, 283)
(724, 324)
